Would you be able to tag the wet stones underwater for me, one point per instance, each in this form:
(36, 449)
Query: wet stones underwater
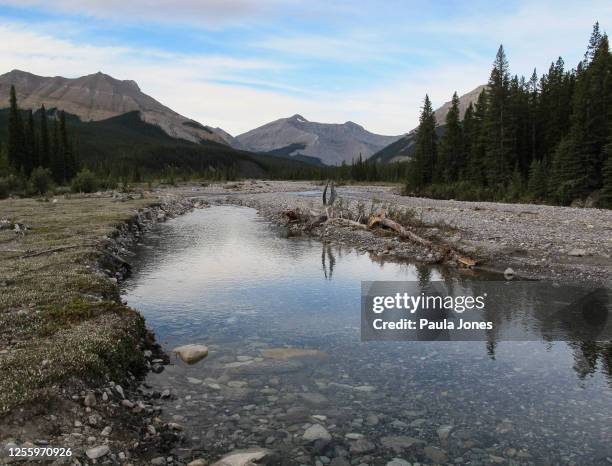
(287, 376)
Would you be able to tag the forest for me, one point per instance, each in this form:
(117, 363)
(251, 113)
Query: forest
(543, 139)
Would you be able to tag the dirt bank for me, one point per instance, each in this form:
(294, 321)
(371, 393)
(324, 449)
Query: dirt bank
(70, 352)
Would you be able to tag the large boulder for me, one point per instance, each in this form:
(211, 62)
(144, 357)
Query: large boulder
(190, 354)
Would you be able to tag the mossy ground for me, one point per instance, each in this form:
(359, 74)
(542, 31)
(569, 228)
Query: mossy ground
(57, 321)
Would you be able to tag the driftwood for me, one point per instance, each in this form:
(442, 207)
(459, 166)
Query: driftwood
(347, 222)
(446, 250)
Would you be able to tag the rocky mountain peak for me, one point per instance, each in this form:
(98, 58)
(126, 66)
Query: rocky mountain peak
(99, 96)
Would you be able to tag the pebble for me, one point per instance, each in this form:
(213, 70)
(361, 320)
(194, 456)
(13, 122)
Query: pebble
(316, 432)
(90, 399)
(97, 452)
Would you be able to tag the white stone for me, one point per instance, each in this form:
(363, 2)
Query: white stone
(190, 354)
(97, 452)
(316, 432)
(242, 457)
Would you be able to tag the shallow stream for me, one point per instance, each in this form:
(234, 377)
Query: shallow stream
(225, 277)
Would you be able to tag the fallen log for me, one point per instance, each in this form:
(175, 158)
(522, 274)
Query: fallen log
(347, 222)
(445, 249)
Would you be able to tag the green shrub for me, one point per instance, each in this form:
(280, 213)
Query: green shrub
(41, 180)
(84, 182)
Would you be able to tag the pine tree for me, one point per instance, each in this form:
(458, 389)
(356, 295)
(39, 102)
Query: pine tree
(594, 42)
(45, 148)
(425, 154)
(591, 117)
(606, 190)
(538, 180)
(65, 152)
(451, 156)
(15, 146)
(475, 172)
(497, 156)
(30, 160)
(57, 154)
(565, 172)
(533, 110)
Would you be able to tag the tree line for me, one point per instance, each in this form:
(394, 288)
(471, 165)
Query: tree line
(36, 145)
(546, 139)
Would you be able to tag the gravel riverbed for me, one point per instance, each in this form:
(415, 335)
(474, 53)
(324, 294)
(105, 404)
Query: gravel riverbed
(536, 241)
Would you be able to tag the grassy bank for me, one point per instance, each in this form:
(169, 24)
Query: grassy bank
(60, 317)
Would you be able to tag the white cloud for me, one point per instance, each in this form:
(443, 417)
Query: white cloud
(191, 84)
(201, 12)
(238, 94)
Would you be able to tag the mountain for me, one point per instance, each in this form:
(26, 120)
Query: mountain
(98, 97)
(297, 137)
(401, 149)
(123, 146)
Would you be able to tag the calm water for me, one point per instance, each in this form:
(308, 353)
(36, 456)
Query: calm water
(226, 278)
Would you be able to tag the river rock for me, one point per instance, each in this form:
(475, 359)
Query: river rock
(97, 452)
(398, 443)
(191, 354)
(398, 462)
(243, 457)
(509, 273)
(435, 454)
(316, 432)
(361, 446)
(315, 399)
(90, 399)
(576, 252)
(443, 432)
(285, 354)
(198, 462)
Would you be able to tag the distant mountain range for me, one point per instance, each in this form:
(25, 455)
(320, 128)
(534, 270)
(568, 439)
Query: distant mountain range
(401, 150)
(309, 141)
(98, 97)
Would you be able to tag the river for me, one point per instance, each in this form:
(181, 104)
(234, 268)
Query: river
(227, 278)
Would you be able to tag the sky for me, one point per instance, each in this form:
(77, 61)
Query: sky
(238, 64)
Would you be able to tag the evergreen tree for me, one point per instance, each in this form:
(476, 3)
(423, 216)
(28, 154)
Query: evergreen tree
(424, 159)
(533, 109)
(15, 146)
(497, 156)
(451, 156)
(566, 166)
(477, 142)
(606, 190)
(591, 116)
(30, 160)
(57, 154)
(45, 147)
(538, 180)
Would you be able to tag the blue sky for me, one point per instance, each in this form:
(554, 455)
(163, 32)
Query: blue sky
(238, 64)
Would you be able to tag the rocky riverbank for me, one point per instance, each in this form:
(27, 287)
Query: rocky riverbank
(71, 354)
(535, 241)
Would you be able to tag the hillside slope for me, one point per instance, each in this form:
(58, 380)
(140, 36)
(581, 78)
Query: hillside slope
(98, 97)
(124, 144)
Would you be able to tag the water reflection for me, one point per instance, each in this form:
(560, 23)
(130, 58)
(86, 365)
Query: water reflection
(327, 261)
(222, 276)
